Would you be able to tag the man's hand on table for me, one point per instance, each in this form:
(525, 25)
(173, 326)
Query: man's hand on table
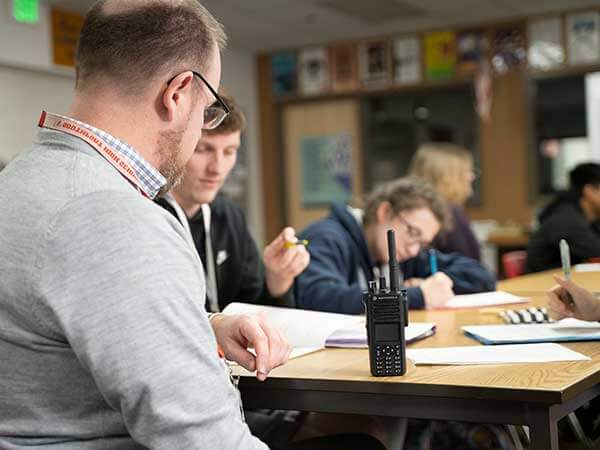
(236, 333)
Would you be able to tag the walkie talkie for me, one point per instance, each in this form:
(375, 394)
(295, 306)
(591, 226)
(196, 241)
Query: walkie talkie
(387, 315)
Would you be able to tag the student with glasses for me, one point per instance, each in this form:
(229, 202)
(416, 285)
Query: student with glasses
(348, 248)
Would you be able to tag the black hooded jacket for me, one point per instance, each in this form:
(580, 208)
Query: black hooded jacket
(562, 218)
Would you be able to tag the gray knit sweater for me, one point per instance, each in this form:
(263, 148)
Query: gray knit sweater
(104, 341)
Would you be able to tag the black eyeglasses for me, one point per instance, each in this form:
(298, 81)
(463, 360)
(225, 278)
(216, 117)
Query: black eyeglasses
(214, 114)
(414, 233)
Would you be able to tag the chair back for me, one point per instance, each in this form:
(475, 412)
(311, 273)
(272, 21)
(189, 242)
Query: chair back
(514, 263)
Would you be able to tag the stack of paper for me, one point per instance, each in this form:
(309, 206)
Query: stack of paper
(483, 299)
(505, 354)
(357, 337)
(307, 331)
(566, 330)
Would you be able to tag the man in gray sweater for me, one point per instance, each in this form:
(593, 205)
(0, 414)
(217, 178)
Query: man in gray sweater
(104, 339)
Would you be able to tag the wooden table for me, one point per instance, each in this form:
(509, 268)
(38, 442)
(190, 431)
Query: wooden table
(539, 283)
(338, 380)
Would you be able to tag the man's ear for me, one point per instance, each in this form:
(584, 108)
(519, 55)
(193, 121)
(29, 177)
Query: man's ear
(178, 90)
(384, 212)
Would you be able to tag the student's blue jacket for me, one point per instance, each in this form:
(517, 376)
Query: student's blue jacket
(339, 257)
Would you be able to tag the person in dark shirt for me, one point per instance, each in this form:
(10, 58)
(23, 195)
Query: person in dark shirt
(573, 216)
(233, 265)
(449, 169)
(348, 246)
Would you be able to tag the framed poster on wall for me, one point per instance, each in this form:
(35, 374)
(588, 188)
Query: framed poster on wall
(326, 169)
(583, 37)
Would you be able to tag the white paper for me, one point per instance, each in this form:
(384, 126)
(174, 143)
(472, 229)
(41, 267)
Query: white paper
(357, 337)
(570, 324)
(588, 267)
(302, 328)
(502, 354)
(561, 331)
(296, 352)
(484, 299)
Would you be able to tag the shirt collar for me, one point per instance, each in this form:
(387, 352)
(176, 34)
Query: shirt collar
(151, 179)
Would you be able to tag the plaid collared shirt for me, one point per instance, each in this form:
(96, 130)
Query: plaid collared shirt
(151, 179)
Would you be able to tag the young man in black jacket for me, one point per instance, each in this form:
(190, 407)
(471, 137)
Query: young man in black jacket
(233, 266)
(573, 215)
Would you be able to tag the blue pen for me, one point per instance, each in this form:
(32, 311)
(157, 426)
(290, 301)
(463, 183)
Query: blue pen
(432, 261)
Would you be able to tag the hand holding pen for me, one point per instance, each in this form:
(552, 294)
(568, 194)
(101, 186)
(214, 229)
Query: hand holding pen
(586, 305)
(285, 258)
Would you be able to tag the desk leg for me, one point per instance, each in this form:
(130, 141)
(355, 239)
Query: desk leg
(543, 430)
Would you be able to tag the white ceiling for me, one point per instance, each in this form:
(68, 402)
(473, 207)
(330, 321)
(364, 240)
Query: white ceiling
(272, 24)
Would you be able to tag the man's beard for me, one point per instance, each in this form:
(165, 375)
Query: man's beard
(169, 148)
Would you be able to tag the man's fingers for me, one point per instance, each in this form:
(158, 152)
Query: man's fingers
(566, 284)
(270, 346)
(294, 263)
(243, 357)
(278, 346)
(557, 310)
(555, 304)
(252, 331)
(443, 278)
(281, 259)
(277, 244)
(289, 234)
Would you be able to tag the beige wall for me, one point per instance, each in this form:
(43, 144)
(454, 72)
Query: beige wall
(316, 119)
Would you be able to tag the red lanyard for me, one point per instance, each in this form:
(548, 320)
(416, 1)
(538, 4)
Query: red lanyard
(66, 125)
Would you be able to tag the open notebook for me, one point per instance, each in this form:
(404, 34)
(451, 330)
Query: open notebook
(315, 330)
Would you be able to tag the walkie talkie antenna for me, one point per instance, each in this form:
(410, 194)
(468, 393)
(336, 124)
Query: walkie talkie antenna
(393, 263)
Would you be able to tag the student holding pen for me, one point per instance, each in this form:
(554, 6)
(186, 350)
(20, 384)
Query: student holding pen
(348, 247)
(233, 265)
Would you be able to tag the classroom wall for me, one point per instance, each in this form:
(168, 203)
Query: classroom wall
(504, 166)
(29, 83)
(239, 77)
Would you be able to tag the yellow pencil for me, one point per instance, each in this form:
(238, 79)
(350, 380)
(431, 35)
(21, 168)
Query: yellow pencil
(289, 245)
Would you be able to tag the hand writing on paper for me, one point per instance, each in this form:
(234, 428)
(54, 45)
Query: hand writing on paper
(437, 290)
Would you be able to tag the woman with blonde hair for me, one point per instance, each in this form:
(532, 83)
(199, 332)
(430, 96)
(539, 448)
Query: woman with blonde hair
(449, 169)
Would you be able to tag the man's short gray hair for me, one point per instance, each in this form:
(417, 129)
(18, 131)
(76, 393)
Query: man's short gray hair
(131, 42)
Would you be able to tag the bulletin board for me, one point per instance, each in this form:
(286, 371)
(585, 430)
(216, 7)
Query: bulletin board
(325, 133)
